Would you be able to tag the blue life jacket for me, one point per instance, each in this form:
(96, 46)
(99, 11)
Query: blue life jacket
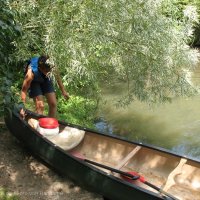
(38, 75)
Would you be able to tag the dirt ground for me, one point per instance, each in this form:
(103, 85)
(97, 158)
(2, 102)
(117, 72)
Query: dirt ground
(23, 175)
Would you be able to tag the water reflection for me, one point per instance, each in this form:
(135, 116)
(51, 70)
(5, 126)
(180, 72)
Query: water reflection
(175, 125)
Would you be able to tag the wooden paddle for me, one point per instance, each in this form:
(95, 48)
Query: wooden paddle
(142, 180)
(136, 176)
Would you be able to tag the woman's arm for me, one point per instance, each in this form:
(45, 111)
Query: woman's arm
(61, 86)
(26, 84)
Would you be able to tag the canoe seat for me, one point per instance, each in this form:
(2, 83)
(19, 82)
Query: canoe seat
(170, 180)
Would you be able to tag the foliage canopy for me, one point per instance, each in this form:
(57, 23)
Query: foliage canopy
(97, 42)
(100, 40)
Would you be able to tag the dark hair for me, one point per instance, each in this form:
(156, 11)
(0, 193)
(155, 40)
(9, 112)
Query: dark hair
(42, 62)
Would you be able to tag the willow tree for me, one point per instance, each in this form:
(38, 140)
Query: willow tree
(8, 33)
(98, 41)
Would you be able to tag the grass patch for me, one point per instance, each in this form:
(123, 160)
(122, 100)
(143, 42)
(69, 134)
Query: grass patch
(5, 195)
(77, 110)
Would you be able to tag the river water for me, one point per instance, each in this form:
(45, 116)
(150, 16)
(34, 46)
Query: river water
(174, 126)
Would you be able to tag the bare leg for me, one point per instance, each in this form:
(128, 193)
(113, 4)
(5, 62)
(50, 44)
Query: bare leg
(39, 104)
(52, 102)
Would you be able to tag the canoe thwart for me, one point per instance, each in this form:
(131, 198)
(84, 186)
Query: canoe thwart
(128, 157)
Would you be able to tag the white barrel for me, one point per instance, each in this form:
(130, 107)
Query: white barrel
(47, 131)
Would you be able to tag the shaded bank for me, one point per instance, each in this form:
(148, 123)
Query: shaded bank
(23, 175)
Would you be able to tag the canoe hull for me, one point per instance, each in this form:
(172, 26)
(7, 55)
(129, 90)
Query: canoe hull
(78, 171)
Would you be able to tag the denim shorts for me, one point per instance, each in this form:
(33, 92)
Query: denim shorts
(40, 88)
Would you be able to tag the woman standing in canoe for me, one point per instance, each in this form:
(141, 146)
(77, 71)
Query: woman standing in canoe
(39, 84)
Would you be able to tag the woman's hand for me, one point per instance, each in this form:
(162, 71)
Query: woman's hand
(61, 86)
(65, 95)
(22, 113)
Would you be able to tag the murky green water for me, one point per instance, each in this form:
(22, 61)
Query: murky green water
(175, 126)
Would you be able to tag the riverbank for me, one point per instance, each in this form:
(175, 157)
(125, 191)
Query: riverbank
(28, 178)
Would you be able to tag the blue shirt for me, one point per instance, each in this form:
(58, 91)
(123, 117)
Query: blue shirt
(38, 75)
